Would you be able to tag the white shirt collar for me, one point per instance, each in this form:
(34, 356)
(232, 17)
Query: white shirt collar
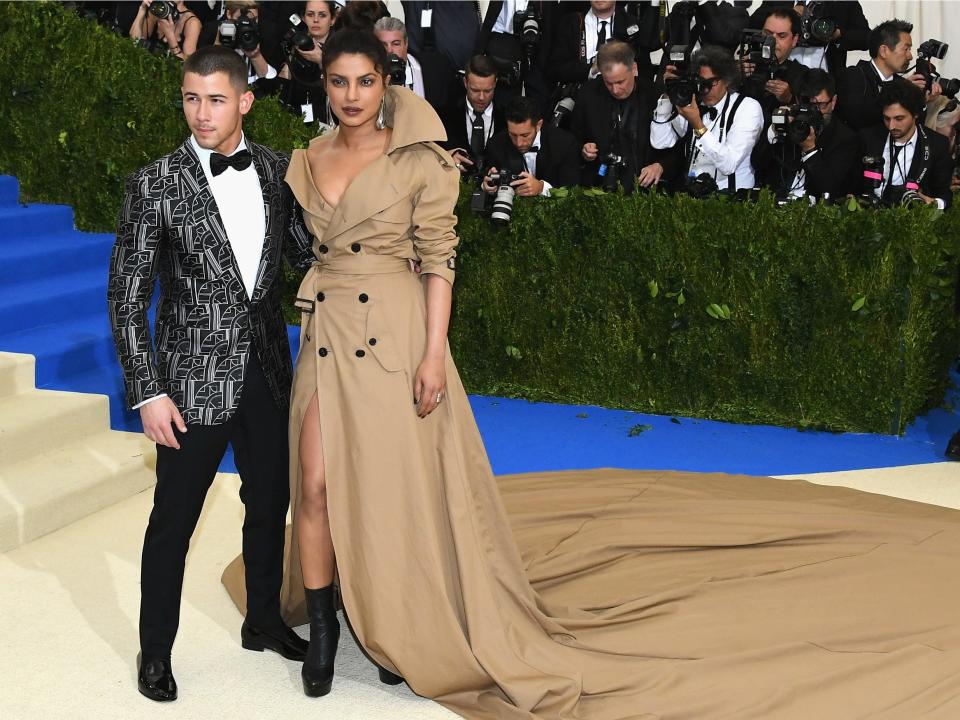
(885, 78)
(912, 141)
(204, 154)
(536, 143)
(596, 20)
(487, 113)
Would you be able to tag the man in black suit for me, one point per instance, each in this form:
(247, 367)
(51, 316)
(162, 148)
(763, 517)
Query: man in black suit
(891, 52)
(784, 27)
(210, 220)
(475, 117)
(579, 37)
(818, 164)
(914, 157)
(429, 75)
(851, 32)
(612, 116)
(544, 157)
(449, 28)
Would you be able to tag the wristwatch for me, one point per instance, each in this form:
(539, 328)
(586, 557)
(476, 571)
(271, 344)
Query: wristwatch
(700, 132)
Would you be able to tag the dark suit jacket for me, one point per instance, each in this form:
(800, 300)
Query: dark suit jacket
(454, 26)
(835, 169)
(593, 121)
(547, 10)
(206, 326)
(848, 15)
(857, 92)
(933, 174)
(454, 122)
(558, 161)
(567, 66)
(438, 78)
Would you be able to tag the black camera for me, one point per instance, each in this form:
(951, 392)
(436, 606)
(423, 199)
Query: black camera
(903, 195)
(611, 170)
(935, 50)
(816, 30)
(795, 122)
(702, 186)
(162, 9)
(565, 105)
(298, 38)
(526, 26)
(679, 57)
(760, 50)
(397, 70)
(683, 90)
(242, 33)
(501, 212)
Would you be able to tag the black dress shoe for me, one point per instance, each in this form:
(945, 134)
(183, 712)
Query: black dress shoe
(953, 447)
(389, 678)
(155, 679)
(282, 641)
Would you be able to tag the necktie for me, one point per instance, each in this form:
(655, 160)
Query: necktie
(893, 165)
(478, 135)
(238, 161)
(602, 34)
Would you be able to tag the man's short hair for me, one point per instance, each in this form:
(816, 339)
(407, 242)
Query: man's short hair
(718, 59)
(481, 66)
(615, 52)
(234, 5)
(815, 81)
(903, 92)
(216, 58)
(521, 109)
(887, 33)
(390, 24)
(787, 14)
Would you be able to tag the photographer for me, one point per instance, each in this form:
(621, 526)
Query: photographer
(302, 89)
(444, 27)
(542, 157)
(914, 158)
(430, 75)
(475, 117)
(814, 153)
(243, 17)
(718, 137)
(891, 51)
(580, 36)
(175, 26)
(611, 121)
(828, 31)
(772, 82)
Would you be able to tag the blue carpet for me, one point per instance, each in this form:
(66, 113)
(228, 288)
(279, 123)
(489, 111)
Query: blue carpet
(53, 306)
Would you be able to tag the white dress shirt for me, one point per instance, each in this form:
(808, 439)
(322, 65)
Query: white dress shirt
(414, 77)
(717, 153)
(530, 160)
(901, 168)
(239, 199)
(487, 122)
(813, 57)
(591, 27)
(504, 23)
(798, 186)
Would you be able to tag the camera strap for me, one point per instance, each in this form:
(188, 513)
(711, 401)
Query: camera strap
(583, 37)
(724, 121)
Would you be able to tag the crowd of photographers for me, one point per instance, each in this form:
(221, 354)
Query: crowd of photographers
(556, 94)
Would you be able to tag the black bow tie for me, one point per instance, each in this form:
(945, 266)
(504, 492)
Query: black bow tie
(238, 161)
(533, 149)
(710, 112)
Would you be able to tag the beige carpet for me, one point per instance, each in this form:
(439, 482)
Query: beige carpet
(69, 622)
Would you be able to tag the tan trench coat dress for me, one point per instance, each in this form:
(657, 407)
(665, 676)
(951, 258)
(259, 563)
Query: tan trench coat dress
(588, 595)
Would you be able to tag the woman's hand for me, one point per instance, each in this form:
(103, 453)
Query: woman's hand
(429, 384)
(169, 31)
(314, 56)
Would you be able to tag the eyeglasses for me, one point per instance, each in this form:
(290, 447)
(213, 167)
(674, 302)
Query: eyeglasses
(822, 104)
(708, 83)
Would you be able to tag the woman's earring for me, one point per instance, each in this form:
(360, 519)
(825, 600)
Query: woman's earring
(381, 123)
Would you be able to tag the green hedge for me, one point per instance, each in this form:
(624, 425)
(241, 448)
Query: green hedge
(801, 316)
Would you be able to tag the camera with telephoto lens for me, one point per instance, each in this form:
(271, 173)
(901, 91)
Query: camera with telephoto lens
(162, 9)
(298, 38)
(565, 105)
(702, 186)
(760, 50)
(816, 30)
(501, 212)
(683, 90)
(935, 50)
(611, 170)
(241, 34)
(795, 122)
(397, 70)
(526, 26)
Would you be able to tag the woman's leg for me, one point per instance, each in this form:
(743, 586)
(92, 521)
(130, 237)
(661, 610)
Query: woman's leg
(313, 526)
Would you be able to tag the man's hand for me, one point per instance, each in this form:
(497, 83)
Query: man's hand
(691, 113)
(489, 187)
(159, 417)
(589, 151)
(935, 89)
(462, 161)
(919, 80)
(255, 53)
(650, 175)
(527, 185)
(747, 68)
(780, 89)
(810, 142)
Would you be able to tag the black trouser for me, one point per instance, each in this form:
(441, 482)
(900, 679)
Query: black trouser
(258, 433)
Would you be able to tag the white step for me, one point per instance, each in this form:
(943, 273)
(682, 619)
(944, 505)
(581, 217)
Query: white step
(34, 422)
(67, 482)
(16, 373)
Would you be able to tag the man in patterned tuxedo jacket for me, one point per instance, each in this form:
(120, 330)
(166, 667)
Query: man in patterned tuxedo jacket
(212, 220)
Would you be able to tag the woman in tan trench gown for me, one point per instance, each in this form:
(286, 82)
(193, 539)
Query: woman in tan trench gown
(589, 595)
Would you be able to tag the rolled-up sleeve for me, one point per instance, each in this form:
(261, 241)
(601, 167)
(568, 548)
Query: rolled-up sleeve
(434, 221)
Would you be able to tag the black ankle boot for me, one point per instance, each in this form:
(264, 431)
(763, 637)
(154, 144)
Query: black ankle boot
(317, 672)
(387, 677)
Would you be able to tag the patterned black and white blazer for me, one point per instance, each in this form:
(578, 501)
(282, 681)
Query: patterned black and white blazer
(206, 326)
